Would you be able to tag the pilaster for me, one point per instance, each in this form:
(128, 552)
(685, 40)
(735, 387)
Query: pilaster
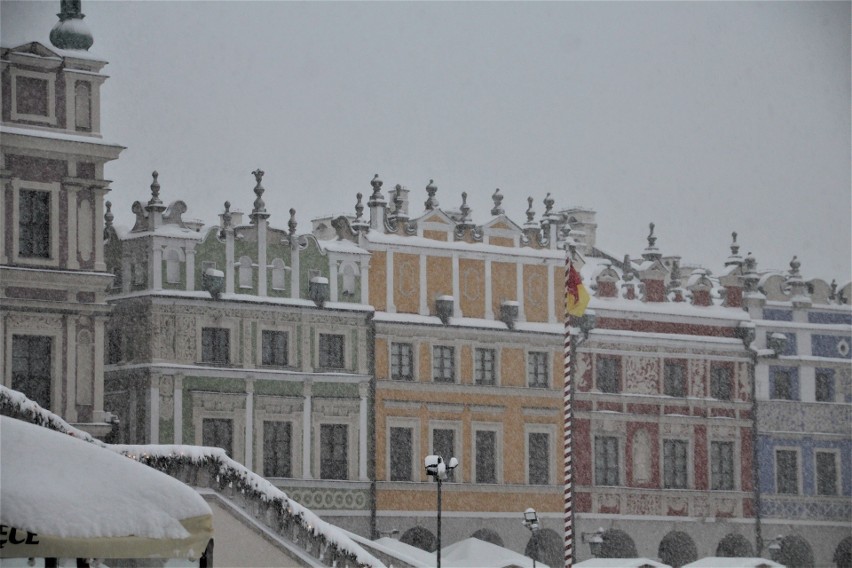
(154, 410)
(332, 279)
(229, 261)
(262, 224)
(389, 286)
(551, 295)
(71, 190)
(70, 369)
(457, 312)
(249, 422)
(519, 286)
(363, 392)
(178, 410)
(306, 431)
(489, 311)
(98, 414)
(190, 268)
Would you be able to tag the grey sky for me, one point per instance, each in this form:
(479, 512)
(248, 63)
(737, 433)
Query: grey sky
(702, 117)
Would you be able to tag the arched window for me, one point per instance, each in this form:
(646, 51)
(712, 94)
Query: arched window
(488, 535)
(348, 280)
(734, 546)
(843, 553)
(245, 272)
(676, 549)
(547, 547)
(421, 538)
(278, 273)
(617, 544)
(795, 551)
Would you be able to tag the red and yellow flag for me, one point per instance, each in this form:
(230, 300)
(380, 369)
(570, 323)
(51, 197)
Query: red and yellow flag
(576, 296)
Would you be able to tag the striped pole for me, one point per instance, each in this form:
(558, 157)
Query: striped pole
(568, 414)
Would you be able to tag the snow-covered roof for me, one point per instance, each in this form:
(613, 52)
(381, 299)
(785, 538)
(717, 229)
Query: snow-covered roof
(720, 562)
(85, 500)
(620, 563)
(475, 553)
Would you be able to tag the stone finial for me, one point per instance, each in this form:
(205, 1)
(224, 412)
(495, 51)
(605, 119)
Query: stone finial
(652, 240)
(674, 277)
(498, 200)
(397, 200)
(108, 218)
(431, 201)
(530, 211)
(735, 248)
(548, 204)
(155, 189)
(377, 187)
(628, 269)
(259, 205)
(833, 294)
(750, 263)
(465, 208)
(291, 224)
(794, 266)
(70, 32)
(226, 216)
(359, 207)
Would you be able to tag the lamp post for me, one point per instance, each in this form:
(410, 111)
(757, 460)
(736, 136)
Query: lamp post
(531, 522)
(438, 469)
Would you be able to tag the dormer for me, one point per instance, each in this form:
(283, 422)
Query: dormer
(652, 271)
(54, 87)
(699, 286)
(436, 225)
(502, 231)
(583, 227)
(606, 279)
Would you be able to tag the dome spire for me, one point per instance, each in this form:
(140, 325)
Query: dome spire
(70, 32)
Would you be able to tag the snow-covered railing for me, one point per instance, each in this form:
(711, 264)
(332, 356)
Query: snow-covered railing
(212, 468)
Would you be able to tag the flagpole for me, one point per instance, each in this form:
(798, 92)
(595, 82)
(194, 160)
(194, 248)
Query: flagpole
(568, 415)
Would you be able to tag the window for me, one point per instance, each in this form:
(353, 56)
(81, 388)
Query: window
(444, 445)
(215, 346)
(218, 433)
(401, 444)
(537, 369)
(824, 386)
(34, 224)
(331, 351)
(31, 360)
(786, 472)
(538, 449)
(333, 451)
(720, 383)
(608, 374)
(486, 456)
(443, 364)
(782, 386)
(674, 464)
(401, 362)
(32, 96)
(826, 473)
(674, 379)
(722, 466)
(484, 371)
(278, 274)
(277, 449)
(606, 461)
(273, 348)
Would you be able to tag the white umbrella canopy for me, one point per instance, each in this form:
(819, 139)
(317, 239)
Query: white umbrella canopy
(63, 497)
(475, 553)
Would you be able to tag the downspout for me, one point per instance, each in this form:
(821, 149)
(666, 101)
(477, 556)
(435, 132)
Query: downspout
(371, 421)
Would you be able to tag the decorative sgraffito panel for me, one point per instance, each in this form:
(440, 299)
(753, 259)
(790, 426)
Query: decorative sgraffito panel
(642, 375)
(185, 339)
(643, 505)
(698, 372)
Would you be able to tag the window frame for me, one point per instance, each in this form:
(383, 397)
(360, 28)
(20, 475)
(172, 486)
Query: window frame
(497, 431)
(54, 190)
(616, 362)
(835, 454)
(775, 388)
(673, 481)
(267, 457)
(668, 385)
(827, 383)
(50, 118)
(412, 424)
(324, 426)
(31, 357)
(607, 469)
(267, 332)
(549, 430)
(534, 367)
(481, 370)
(218, 420)
(715, 382)
(797, 467)
(394, 364)
(439, 353)
(718, 475)
(455, 427)
(323, 353)
(228, 350)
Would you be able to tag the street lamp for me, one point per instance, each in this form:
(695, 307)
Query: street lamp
(775, 548)
(595, 541)
(438, 469)
(531, 522)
